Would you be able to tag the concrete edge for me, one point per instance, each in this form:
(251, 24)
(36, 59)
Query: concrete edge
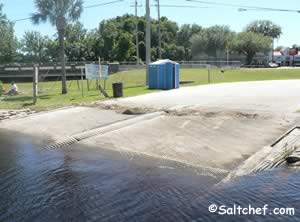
(260, 158)
(211, 171)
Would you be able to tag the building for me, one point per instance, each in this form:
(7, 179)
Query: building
(287, 57)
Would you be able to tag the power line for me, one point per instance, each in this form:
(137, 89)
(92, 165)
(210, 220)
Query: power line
(101, 4)
(244, 7)
(86, 7)
(173, 6)
(181, 6)
(23, 19)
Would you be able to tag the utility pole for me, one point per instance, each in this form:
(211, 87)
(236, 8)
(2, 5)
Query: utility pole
(137, 33)
(159, 29)
(148, 40)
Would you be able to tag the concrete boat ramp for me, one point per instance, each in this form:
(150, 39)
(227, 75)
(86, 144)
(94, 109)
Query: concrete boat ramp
(222, 129)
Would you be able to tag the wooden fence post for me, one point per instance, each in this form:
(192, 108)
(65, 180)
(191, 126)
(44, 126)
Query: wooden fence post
(35, 83)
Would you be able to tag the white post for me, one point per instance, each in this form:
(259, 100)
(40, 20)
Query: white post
(35, 83)
(148, 40)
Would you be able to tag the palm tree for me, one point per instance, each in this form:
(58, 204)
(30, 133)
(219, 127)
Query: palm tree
(59, 13)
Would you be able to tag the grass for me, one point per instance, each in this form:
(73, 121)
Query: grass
(134, 84)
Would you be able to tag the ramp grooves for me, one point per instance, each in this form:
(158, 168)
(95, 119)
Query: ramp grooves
(67, 141)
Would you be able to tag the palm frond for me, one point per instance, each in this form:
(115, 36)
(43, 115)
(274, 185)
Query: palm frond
(37, 18)
(75, 10)
(51, 10)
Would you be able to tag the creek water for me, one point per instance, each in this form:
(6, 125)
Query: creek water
(90, 184)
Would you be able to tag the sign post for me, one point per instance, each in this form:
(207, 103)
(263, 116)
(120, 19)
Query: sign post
(209, 74)
(82, 82)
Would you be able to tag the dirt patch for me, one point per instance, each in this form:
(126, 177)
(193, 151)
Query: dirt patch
(122, 109)
(182, 111)
(13, 114)
(215, 114)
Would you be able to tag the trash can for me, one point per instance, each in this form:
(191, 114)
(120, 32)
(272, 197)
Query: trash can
(117, 89)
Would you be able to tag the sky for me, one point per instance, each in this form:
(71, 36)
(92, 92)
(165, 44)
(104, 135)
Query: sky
(201, 14)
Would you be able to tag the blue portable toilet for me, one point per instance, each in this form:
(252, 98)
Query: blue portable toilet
(164, 74)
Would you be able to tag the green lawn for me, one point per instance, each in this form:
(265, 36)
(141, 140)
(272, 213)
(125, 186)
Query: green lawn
(134, 84)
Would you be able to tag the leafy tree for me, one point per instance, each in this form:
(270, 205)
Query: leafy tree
(211, 41)
(265, 27)
(184, 36)
(199, 43)
(75, 49)
(250, 43)
(94, 46)
(59, 13)
(33, 45)
(108, 32)
(124, 47)
(8, 42)
(279, 48)
(52, 46)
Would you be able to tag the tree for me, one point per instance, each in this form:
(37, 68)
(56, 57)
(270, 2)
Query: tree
(122, 29)
(211, 41)
(199, 43)
(75, 48)
(250, 43)
(33, 44)
(184, 36)
(8, 42)
(267, 28)
(279, 48)
(59, 13)
(124, 47)
(52, 50)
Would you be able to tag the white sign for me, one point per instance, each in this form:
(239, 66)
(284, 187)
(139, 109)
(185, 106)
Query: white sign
(104, 72)
(92, 72)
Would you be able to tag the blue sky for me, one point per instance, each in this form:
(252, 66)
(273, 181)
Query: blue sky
(16, 9)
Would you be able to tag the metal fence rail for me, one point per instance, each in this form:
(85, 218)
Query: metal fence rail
(73, 69)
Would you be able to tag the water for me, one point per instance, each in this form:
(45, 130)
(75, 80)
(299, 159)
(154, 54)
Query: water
(90, 184)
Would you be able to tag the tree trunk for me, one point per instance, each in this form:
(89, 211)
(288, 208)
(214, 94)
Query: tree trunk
(61, 36)
(61, 28)
(249, 58)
